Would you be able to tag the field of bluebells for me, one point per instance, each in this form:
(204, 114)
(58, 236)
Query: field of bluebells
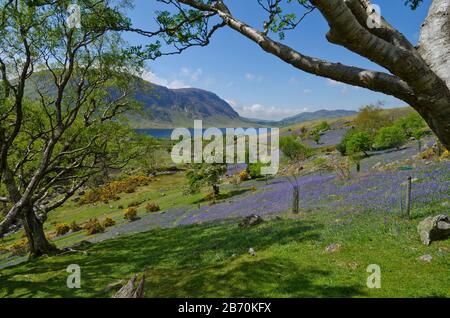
(376, 191)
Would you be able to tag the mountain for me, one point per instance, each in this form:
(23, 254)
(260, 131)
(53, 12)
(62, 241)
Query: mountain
(167, 108)
(320, 114)
(162, 107)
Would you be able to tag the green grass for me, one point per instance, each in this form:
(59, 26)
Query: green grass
(212, 261)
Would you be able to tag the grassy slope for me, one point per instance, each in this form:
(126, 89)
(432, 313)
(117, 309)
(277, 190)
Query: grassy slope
(212, 261)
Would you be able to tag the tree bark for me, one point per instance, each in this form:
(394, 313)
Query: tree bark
(37, 242)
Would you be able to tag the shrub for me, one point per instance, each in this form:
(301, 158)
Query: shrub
(445, 155)
(74, 227)
(323, 126)
(244, 176)
(134, 204)
(111, 191)
(152, 207)
(358, 142)
(293, 149)
(108, 222)
(390, 137)
(19, 248)
(62, 229)
(93, 226)
(130, 214)
(255, 170)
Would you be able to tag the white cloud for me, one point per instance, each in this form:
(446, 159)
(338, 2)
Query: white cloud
(253, 77)
(260, 111)
(192, 74)
(331, 82)
(155, 79)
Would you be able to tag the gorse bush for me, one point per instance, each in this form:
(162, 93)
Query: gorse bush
(62, 229)
(19, 248)
(111, 191)
(130, 214)
(152, 207)
(108, 222)
(74, 227)
(244, 175)
(93, 226)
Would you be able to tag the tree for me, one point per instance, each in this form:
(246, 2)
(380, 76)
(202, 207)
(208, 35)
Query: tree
(296, 152)
(413, 126)
(315, 135)
(370, 119)
(323, 126)
(357, 146)
(293, 149)
(390, 137)
(418, 75)
(62, 91)
(205, 174)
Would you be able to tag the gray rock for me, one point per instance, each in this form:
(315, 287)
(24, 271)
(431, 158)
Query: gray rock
(426, 258)
(333, 248)
(434, 229)
(251, 220)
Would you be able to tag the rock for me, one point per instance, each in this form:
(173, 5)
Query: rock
(434, 228)
(252, 252)
(426, 258)
(129, 290)
(251, 220)
(333, 248)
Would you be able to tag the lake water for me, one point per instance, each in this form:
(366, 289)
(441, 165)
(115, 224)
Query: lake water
(167, 133)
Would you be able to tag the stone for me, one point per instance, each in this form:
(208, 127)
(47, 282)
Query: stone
(251, 220)
(434, 229)
(252, 252)
(333, 248)
(426, 258)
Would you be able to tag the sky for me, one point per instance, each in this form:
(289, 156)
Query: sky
(259, 85)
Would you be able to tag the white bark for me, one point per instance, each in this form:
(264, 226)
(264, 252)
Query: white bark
(434, 44)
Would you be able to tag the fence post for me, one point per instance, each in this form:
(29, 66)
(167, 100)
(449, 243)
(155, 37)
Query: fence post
(408, 197)
(295, 200)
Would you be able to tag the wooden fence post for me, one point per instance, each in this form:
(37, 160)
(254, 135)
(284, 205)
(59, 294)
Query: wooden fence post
(408, 197)
(295, 200)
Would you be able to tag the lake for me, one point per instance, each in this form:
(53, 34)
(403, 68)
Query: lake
(167, 132)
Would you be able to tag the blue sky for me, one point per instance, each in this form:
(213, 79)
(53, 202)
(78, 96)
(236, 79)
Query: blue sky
(257, 84)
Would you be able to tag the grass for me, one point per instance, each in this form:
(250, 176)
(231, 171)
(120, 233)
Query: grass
(212, 261)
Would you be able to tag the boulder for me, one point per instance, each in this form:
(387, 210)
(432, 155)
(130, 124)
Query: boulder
(251, 220)
(426, 258)
(434, 229)
(333, 248)
(131, 290)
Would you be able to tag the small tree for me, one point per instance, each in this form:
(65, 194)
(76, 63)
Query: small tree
(357, 146)
(413, 126)
(371, 119)
(203, 174)
(297, 153)
(323, 126)
(390, 137)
